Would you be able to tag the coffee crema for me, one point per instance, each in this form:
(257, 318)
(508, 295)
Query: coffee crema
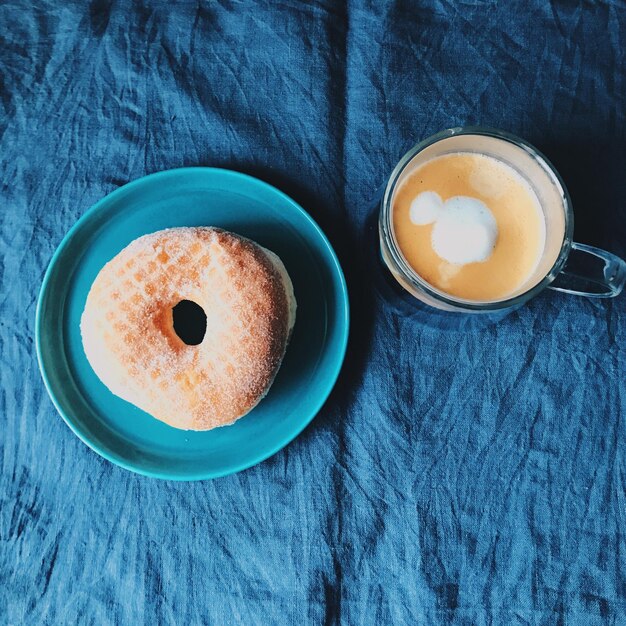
(469, 225)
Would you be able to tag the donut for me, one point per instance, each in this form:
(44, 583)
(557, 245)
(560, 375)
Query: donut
(129, 338)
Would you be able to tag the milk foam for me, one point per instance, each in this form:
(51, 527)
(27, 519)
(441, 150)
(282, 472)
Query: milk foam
(464, 231)
(425, 208)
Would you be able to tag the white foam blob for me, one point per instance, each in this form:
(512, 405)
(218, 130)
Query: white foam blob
(447, 271)
(425, 208)
(465, 231)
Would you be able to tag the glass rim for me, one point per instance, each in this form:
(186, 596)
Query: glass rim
(388, 238)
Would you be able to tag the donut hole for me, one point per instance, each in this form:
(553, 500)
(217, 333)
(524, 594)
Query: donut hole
(189, 321)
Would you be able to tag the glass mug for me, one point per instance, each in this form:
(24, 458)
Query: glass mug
(564, 265)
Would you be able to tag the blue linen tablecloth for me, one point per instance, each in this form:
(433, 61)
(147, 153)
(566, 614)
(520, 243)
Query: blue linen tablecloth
(452, 477)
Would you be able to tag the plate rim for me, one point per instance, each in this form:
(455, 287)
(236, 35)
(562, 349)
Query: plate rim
(344, 317)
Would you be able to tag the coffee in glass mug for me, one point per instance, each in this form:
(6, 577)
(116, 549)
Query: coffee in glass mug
(476, 220)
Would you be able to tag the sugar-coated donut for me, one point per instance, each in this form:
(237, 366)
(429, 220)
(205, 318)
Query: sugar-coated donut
(128, 333)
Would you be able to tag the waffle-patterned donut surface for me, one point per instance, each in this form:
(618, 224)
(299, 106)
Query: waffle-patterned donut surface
(128, 331)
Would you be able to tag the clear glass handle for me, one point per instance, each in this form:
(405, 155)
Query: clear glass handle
(591, 272)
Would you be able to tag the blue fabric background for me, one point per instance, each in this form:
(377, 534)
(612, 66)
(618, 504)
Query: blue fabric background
(451, 478)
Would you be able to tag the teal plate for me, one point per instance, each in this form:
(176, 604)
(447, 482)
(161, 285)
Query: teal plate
(124, 434)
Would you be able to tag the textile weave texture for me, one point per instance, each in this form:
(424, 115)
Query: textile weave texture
(452, 477)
